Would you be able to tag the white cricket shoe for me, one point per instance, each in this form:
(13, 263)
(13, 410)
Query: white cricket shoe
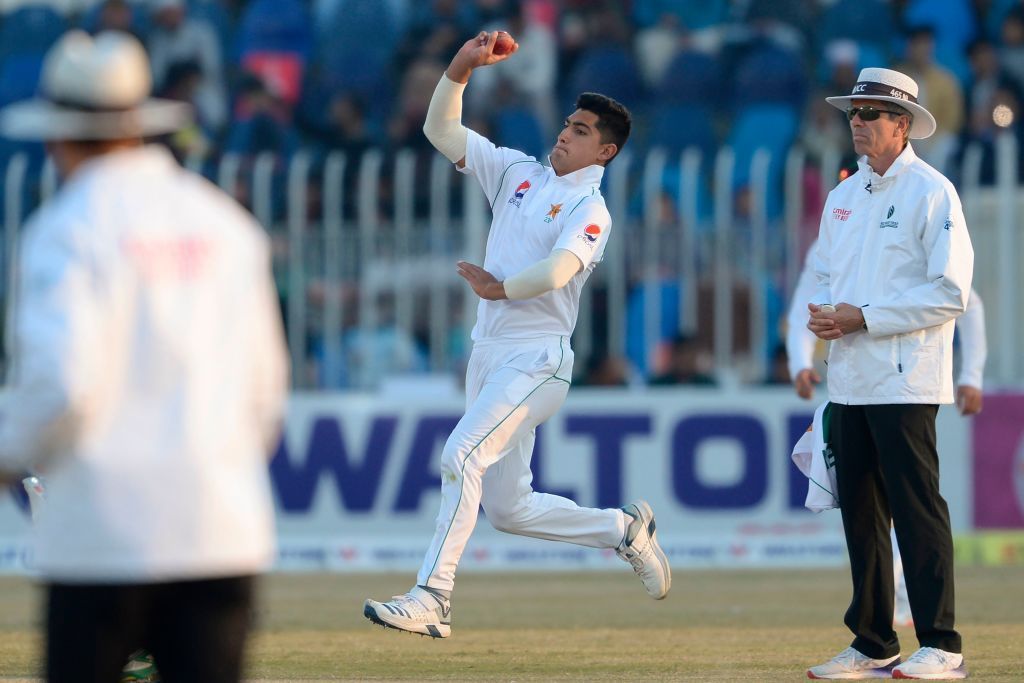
(418, 611)
(640, 548)
(931, 663)
(850, 664)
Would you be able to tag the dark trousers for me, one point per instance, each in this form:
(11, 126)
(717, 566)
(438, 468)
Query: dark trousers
(196, 630)
(887, 467)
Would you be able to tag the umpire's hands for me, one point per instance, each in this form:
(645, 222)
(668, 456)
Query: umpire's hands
(968, 400)
(483, 283)
(804, 382)
(830, 325)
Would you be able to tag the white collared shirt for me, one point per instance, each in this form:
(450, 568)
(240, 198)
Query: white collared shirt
(897, 246)
(534, 212)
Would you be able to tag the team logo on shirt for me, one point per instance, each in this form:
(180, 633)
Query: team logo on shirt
(887, 223)
(517, 196)
(590, 234)
(555, 209)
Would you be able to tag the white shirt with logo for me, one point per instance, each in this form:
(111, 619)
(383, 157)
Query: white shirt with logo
(149, 376)
(897, 246)
(534, 212)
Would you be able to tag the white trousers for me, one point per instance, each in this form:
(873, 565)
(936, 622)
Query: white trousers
(511, 387)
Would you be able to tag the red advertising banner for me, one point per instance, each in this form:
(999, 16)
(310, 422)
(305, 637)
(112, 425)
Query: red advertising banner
(998, 442)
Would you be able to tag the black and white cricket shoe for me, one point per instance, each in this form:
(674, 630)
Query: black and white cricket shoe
(640, 548)
(418, 611)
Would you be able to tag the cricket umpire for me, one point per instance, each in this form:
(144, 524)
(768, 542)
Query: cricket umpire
(894, 261)
(148, 381)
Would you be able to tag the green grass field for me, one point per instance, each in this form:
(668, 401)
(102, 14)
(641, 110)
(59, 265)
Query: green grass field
(714, 626)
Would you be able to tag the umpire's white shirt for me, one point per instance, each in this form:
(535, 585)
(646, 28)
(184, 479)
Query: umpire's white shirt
(149, 376)
(535, 212)
(897, 246)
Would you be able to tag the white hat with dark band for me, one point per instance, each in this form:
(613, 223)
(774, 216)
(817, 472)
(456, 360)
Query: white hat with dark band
(887, 85)
(94, 89)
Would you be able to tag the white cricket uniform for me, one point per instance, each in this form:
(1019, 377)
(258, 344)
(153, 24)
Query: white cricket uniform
(521, 365)
(149, 376)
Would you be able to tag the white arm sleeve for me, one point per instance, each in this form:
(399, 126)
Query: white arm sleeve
(973, 347)
(443, 126)
(542, 277)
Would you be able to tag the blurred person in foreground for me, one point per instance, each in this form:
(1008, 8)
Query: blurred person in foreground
(148, 381)
(894, 262)
(548, 233)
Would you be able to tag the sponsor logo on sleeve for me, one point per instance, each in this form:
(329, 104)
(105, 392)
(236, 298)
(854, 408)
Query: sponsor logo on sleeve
(590, 234)
(841, 214)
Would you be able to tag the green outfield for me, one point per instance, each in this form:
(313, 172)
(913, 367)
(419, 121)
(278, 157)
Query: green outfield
(714, 626)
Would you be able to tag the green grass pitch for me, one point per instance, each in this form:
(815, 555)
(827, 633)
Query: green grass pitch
(727, 625)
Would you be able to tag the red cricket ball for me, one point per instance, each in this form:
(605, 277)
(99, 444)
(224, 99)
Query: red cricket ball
(503, 44)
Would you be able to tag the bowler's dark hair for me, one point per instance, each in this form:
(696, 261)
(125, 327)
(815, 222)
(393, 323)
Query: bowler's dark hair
(613, 120)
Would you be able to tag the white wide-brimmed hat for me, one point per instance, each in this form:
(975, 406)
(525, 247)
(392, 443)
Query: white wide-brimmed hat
(887, 85)
(94, 89)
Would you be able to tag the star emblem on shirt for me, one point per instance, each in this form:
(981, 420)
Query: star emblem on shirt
(555, 209)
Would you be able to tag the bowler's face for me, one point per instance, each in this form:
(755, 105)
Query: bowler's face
(579, 144)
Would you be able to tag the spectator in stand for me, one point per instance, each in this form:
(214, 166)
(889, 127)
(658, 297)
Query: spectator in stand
(987, 80)
(778, 369)
(604, 369)
(346, 128)
(275, 39)
(116, 15)
(435, 29)
(1011, 51)
(866, 23)
(177, 37)
(261, 122)
(939, 92)
(181, 83)
(530, 79)
(689, 362)
(405, 126)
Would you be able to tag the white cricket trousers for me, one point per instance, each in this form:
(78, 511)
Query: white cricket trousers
(511, 387)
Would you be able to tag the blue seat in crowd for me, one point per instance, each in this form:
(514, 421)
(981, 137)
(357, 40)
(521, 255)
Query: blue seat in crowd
(29, 30)
(864, 21)
(610, 70)
(280, 26)
(217, 17)
(693, 15)
(769, 126)
(368, 27)
(517, 127)
(769, 73)
(19, 76)
(679, 126)
(952, 20)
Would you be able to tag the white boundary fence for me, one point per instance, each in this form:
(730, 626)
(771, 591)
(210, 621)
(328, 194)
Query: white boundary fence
(371, 244)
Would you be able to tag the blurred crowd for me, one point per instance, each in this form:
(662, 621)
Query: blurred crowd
(286, 75)
(278, 75)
